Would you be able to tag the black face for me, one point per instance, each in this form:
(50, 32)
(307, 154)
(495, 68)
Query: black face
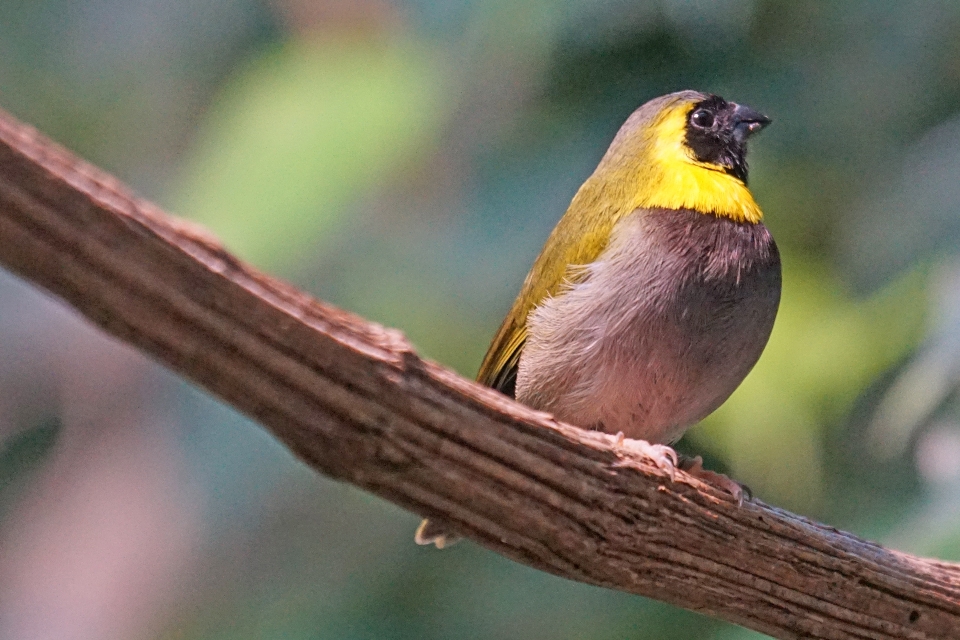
(717, 133)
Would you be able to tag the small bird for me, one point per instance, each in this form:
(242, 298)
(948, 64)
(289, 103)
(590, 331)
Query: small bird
(655, 293)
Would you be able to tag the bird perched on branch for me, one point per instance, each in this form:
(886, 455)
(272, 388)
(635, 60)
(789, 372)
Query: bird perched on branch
(656, 292)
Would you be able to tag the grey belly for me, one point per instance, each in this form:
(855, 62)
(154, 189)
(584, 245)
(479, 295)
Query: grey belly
(659, 331)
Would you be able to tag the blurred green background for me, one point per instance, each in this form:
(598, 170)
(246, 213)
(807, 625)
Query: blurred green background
(405, 159)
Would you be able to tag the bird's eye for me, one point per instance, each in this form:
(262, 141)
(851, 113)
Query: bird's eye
(702, 118)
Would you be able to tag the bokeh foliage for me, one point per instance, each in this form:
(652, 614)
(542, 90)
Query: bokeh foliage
(406, 161)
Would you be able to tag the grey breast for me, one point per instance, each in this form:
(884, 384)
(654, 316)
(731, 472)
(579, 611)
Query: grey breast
(659, 331)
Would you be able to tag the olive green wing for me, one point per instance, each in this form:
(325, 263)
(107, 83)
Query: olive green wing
(499, 367)
(577, 240)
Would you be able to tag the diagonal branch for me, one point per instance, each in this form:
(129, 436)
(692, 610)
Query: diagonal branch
(354, 401)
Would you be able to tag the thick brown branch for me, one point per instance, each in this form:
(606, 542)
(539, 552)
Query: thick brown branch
(355, 402)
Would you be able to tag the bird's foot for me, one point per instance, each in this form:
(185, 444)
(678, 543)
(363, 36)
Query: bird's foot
(694, 466)
(436, 533)
(663, 456)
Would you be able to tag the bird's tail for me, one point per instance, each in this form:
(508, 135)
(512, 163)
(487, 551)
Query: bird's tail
(435, 532)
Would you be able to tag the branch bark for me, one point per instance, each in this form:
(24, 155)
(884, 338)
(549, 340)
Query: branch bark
(356, 403)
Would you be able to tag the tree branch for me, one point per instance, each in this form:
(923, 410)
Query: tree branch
(355, 402)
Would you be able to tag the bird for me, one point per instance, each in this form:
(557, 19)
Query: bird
(656, 292)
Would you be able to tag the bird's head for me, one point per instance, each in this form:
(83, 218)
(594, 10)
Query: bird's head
(685, 150)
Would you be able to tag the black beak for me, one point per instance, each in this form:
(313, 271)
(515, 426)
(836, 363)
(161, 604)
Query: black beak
(746, 121)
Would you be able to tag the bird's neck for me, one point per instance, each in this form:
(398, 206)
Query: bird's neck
(698, 188)
(658, 171)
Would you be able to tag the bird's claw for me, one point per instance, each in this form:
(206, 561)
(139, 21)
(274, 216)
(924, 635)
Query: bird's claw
(662, 456)
(694, 466)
